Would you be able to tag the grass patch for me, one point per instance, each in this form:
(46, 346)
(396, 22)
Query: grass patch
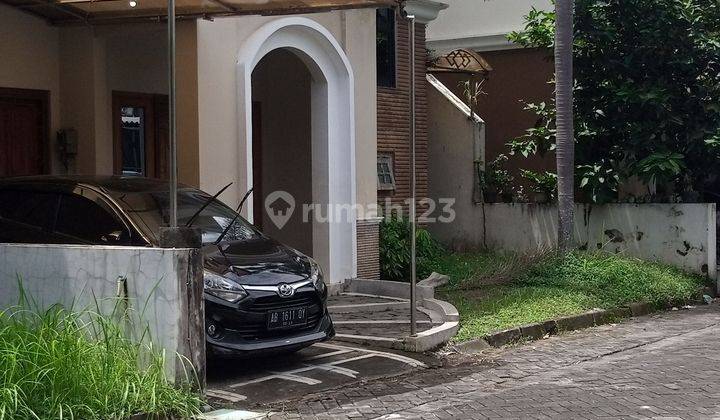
(62, 364)
(495, 291)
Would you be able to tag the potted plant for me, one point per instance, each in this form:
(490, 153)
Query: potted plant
(497, 180)
(542, 185)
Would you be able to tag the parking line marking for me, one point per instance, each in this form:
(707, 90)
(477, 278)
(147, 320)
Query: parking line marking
(329, 367)
(290, 376)
(225, 395)
(293, 375)
(375, 296)
(400, 358)
(380, 321)
(330, 354)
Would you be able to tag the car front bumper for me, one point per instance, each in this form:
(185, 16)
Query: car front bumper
(229, 347)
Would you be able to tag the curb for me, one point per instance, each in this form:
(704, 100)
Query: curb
(539, 330)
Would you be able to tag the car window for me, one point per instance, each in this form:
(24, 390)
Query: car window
(28, 207)
(152, 208)
(88, 221)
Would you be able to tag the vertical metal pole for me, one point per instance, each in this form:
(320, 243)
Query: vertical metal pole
(171, 113)
(413, 192)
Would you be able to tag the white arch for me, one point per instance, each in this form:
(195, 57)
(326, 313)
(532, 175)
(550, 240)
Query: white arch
(333, 130)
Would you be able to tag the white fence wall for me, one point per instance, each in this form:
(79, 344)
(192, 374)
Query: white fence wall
(683, 235)
(157, 285)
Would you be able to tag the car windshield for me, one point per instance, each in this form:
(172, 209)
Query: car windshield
(152, 209)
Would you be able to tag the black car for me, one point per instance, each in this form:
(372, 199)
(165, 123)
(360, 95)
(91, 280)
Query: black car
(260, 296)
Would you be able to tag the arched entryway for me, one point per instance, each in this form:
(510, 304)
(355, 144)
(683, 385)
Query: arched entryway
(331, 130)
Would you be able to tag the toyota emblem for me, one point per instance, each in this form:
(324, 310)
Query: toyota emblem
(285, 290)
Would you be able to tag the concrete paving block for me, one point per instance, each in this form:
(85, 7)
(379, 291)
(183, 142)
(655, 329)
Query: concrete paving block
(533, 331)
(501, 338)
(550, 327)
(611, 315)
(575, 322)
(640, 308)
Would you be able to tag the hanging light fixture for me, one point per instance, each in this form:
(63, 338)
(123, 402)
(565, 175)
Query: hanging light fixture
(133, 3)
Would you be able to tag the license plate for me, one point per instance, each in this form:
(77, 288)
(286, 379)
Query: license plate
(286, 318)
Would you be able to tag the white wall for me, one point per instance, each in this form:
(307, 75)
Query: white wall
(218, 97)
(683, 235)
(454, 143)
(479, 24)
(346, 135)
(74, 275)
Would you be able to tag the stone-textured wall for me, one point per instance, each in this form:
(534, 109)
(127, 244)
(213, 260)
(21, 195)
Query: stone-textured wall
(683, 235)
(74, 275)
(368, 242)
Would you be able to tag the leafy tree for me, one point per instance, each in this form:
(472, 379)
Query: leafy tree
(647, 93)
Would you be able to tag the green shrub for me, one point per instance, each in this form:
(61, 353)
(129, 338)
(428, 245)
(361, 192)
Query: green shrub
(395, 250)
(61, 364)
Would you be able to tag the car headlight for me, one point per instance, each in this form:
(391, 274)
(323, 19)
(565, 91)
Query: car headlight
(316, 276)
(222, 287)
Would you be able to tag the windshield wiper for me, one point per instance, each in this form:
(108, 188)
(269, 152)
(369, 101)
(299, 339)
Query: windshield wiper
(234, 219)
(207, 203)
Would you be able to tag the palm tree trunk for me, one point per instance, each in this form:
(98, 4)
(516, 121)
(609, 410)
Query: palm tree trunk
(565, 151)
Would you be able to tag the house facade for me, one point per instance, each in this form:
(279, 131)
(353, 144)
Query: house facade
(283, 105)
(519, 75)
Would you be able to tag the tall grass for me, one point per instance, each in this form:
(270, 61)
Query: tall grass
(65, 364)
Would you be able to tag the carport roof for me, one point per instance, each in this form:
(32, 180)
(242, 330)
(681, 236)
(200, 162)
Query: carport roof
(95, 12)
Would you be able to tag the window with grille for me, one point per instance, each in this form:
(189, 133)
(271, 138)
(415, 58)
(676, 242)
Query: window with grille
(386, 178)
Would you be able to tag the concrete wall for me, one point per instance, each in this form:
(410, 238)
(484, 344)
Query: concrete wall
(455, 142)
(519, 76)
(73, 275)
(683, 235)
(479, 25)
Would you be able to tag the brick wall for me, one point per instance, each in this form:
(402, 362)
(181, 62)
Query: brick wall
(393, 110)
(394, 117)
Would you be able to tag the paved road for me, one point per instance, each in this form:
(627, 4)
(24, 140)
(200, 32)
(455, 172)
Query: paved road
(661, 366)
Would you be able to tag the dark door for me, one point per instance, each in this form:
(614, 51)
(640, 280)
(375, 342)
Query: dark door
(140, 134)
(23, 132)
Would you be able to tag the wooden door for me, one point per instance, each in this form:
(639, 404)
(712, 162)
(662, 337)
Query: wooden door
(140, 134)
(24, 121)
